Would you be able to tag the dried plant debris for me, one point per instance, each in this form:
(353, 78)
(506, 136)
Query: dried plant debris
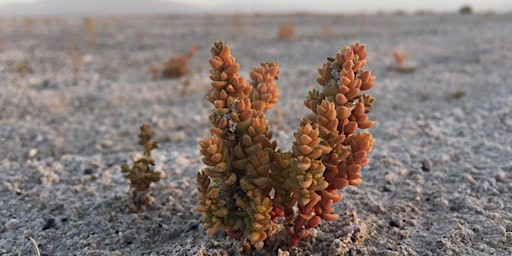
(141, 174)
(248, 183)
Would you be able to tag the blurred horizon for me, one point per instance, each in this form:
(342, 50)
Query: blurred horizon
(138, 7)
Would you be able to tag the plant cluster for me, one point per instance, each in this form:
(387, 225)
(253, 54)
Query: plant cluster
(141, 174)
(248, 183)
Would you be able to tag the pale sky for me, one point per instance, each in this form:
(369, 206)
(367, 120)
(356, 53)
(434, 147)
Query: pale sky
(15, 1)
(358, 6)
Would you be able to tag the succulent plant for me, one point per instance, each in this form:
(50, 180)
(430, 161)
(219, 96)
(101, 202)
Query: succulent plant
(247, 182)
(141, 174)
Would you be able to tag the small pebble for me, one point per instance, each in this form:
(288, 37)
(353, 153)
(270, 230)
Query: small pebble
(12, 224)
(39, 138)
(501, 176)
(128, 236)
(115, 253)
(32, 152)
(106, 144)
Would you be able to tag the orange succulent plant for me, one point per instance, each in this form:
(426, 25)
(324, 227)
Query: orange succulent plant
(244, 166)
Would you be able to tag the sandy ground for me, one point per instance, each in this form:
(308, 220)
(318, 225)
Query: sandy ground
(439, 181)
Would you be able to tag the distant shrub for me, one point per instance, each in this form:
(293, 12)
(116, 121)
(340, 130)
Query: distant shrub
(286, 32)
(399, 12)
(327, 31)
(92, 32)
(74, 55)
(466, 9)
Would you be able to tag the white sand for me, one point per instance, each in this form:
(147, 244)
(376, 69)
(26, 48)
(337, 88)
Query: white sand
(439, 182)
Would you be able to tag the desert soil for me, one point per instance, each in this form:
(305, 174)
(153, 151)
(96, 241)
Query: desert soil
(440, 177)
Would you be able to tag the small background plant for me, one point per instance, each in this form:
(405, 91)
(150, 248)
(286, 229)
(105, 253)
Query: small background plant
(327, 30)
(286, 32)
(175, 67)
(24, 68)
(141, 174)
(400, 57)
(75, 57)
(90, 26)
